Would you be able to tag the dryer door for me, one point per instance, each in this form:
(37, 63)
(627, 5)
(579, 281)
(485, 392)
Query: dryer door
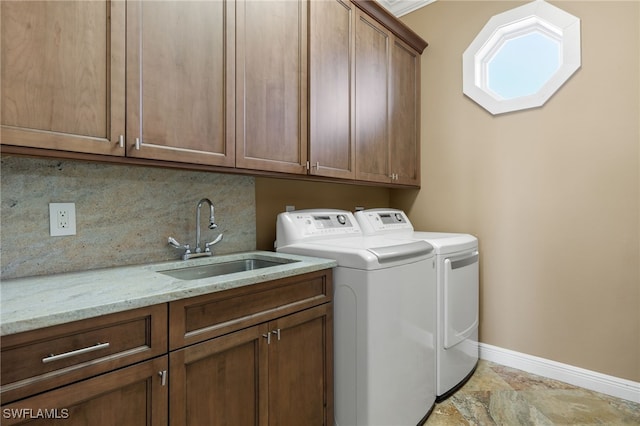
(461, 299)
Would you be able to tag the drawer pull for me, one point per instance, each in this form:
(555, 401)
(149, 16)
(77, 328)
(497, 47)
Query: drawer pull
(95, 347)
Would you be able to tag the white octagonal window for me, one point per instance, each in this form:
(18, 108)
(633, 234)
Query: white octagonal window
(521, 57)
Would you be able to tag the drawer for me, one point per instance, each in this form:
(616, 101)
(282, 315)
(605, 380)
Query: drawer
(200, 318)
(42, 359)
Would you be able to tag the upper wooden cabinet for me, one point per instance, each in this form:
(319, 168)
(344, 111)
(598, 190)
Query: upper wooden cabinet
(364, 95)
(180, 81)
(404, 114)
(271, 85)
(331, 91)
(387, 105)
(373, 44)
(327, 88)
(63, 75)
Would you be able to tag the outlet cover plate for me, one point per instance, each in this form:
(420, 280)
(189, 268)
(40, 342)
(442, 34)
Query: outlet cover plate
(62, 219)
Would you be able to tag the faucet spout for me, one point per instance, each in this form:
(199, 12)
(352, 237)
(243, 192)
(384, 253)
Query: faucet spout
(212, 221)
(198, 251)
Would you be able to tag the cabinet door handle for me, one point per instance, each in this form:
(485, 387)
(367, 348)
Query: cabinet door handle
(163, 377)
(268, 337)
(121, 141)
(138, 143)
(277, 333)
(95, 347)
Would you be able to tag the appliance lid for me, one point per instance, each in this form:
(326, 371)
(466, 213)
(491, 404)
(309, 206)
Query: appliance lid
(446, 243)
(367, 253)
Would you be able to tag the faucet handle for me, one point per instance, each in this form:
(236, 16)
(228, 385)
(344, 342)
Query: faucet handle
(216, 241)
(172, 242)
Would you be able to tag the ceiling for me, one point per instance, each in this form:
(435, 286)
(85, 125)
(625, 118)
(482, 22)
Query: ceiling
(402, 7)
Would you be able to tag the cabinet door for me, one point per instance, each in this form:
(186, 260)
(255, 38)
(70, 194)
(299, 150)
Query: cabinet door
(222, 381)
(331, 103)
(271, 90)
(180, 69)
(405, 114)
(63, 75)
(301, 368)
(372, 51)
(133, 396)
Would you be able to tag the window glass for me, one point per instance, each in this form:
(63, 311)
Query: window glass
(523, 65)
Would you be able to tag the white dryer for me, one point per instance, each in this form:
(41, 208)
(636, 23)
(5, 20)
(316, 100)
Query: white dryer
(457, 293)
(384, 327)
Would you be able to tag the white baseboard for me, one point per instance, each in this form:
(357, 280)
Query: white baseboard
(609, 385)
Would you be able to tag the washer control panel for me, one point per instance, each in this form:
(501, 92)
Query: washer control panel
(381, 221)
(301, 225)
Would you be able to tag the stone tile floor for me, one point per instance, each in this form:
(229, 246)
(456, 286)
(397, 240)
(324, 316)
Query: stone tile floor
(499, 395)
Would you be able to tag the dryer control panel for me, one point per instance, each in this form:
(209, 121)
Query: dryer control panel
(305, 225)
(381, 221)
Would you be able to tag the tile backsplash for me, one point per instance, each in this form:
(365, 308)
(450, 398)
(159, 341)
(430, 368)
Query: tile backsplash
(124, 214)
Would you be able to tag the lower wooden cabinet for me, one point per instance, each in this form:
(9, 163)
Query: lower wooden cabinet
(134, 395)
(259, 354)
(219, 382)
(301, 368)
(275, 373)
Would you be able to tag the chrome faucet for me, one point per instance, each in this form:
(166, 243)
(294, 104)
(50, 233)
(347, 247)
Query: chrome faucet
(188, 254)
(212, 221)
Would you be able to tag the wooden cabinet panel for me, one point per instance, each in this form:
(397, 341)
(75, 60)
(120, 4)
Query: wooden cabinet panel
(277, 373)
(301, 368)
(180, 81)
(331, 102)
(132, 396)
(405, 114)
(372, 50)
(63, 75)
(271, 90)
(222, 381)
(199, 318)
(42, 359)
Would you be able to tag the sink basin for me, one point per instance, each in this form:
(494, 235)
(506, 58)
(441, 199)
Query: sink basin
(224, 268)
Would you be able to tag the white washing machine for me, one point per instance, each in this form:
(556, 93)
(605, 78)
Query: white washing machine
(384, 317)
(457, 293)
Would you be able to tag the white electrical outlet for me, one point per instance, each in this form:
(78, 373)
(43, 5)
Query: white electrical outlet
(62, 219)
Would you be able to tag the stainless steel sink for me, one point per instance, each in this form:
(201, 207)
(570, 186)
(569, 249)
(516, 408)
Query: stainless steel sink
(224, 268)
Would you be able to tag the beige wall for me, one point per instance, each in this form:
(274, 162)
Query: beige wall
(552, 193)
(272, 195)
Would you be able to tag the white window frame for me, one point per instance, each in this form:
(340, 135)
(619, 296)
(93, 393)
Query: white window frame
(538, 16)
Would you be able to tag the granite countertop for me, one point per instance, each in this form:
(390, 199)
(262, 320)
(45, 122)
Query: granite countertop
(36, 302)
